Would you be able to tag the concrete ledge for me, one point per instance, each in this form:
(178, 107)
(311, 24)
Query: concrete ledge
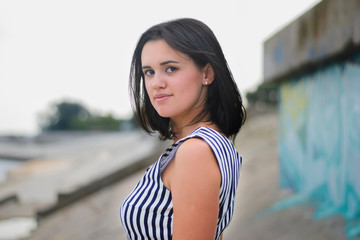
(328, 31)
(64, 199)
(10, 198)
(73, 167)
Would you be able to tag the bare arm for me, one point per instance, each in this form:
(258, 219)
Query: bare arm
(194, 180)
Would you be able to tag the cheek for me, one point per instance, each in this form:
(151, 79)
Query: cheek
(192, 80)
(190, 93)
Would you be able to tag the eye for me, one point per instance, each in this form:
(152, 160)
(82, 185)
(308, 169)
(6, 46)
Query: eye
(149, 72)
(171, 69)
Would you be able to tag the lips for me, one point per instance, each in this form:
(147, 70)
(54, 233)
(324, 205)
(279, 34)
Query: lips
(161, 97)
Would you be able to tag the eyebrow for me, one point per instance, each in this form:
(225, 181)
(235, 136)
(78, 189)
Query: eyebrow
(162, 64)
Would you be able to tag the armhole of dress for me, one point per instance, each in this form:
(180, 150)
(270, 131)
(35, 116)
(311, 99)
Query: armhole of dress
(170, 152)
(168, 156)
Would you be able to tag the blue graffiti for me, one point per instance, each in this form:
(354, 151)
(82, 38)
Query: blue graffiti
(319, 141)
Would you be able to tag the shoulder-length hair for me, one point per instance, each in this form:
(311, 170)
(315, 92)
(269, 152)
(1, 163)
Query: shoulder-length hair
(223, 104)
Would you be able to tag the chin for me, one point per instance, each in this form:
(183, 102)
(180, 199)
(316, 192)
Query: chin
(164, 113)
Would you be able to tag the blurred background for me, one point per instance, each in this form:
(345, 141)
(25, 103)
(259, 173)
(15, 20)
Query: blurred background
(81, 50)
(71, 151)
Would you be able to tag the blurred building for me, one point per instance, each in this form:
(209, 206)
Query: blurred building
(315, 62)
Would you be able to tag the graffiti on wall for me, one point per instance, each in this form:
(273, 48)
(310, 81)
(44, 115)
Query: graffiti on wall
(319, 140)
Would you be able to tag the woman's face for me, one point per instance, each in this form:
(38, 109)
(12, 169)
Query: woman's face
(174, 83)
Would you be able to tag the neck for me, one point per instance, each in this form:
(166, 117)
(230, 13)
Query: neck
(182, 130)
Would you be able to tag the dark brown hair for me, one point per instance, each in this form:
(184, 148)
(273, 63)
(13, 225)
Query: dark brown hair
(224, 104)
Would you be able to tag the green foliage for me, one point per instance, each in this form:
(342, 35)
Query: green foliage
(63, 114)
(107, 122)
(264, 94)
(67, 115)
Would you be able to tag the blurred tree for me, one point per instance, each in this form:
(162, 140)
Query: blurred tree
(97, 122)
(264, 95)
(67, 115)
(64, 114)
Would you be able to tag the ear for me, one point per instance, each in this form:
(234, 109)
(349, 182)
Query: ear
(209, 74)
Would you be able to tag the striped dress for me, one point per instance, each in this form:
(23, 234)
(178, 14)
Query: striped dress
(147, 213)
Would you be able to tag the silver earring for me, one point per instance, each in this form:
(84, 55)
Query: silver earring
(206, 83)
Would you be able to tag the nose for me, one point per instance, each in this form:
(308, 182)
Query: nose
(158, 81)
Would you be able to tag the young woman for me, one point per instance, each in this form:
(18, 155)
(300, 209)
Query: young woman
(182, 89)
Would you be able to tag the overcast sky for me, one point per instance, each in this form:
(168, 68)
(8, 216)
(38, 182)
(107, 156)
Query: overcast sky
(81, 49)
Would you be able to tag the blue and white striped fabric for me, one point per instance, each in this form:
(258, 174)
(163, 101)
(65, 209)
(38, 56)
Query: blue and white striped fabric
(147, 213)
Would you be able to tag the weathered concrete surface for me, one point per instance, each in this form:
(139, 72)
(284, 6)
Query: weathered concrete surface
(68, 168)
(259, 191)
(328, 31)
(96, 217)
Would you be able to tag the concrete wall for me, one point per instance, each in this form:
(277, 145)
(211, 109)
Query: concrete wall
(316, 62)
(330, 29)
(319, 140)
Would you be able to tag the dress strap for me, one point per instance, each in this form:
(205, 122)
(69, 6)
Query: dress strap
(168, 155)
(170, 152)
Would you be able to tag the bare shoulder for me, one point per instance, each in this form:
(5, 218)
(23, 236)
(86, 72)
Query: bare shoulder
(195, 184)
(195, 157)
(195, 148)
(194, 143)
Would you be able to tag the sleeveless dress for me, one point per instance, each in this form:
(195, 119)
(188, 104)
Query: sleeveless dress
(147, 213)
